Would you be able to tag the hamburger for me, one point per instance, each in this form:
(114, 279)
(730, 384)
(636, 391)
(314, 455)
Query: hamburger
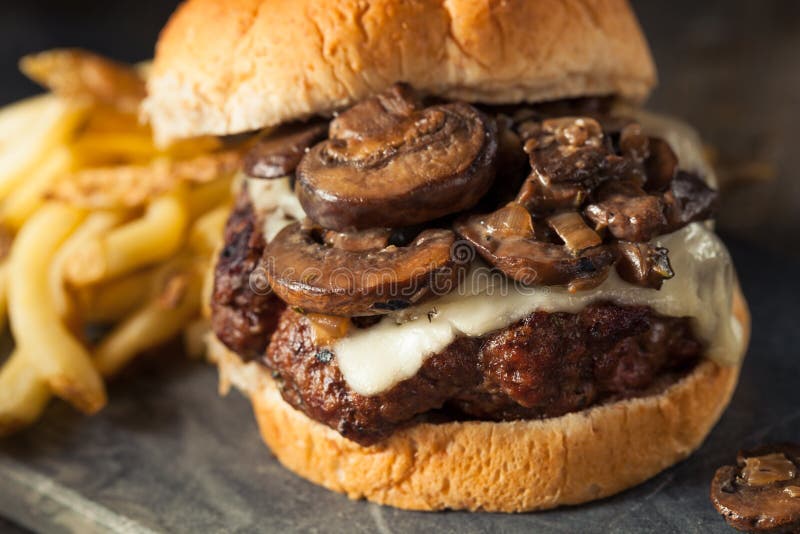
(464, 268)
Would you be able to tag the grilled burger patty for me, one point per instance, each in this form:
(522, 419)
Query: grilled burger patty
(242, 317)
(545, 365)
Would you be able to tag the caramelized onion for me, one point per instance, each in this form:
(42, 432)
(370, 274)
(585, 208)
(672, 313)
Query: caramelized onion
(507, 241)
(572, 229)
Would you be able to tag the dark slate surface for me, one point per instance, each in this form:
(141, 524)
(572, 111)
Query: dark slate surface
(168, 455)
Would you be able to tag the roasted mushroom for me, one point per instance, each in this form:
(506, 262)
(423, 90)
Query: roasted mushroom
(761, 492)
(631, 214)
(569, 158)
(307, 269)
(643, 264)
(688, 199)
(605, 171)
(391, 163)
(278, 154)
(627, 212)
(567, 149)
(506, 239)
(542, 199)
(661, 165)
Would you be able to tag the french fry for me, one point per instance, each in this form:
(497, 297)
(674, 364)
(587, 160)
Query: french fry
(29, 195)
(130, 186)
(114, 300)
(23, 394)
(79, 74)
(15, 117)
(29, 130)
(96, 149)
(62, 362)
(152, 238)
(192, 147)
(3, 293)
(206, 233)
(105, 119)
(158, 321)
(205, 197)
(95, 225)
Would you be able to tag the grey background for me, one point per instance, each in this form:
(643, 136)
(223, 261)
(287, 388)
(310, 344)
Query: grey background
(167, 454)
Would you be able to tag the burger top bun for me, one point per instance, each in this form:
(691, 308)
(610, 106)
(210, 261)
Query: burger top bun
(229, 66)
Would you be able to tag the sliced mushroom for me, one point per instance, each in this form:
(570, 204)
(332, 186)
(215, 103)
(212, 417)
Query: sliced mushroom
(278, 154)
(506, 240)
(388, 165)
(372, 117)
(569, 157)
(633, 143)
(688, 199)
(761, 492)
(627, 212)
(643, 264)
(542, 199)
(567, 149)
(310, 274)
(661, 165)
(511, 164)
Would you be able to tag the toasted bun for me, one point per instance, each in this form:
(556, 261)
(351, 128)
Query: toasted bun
(508, 466)
(228, 66)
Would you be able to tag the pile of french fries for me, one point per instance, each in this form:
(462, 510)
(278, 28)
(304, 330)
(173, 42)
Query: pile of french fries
(100, 231)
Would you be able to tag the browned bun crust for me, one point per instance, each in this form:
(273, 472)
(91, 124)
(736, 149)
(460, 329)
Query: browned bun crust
(227, 66)
(508, 466)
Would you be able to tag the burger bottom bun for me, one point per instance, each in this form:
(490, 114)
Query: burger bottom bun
(512, 466)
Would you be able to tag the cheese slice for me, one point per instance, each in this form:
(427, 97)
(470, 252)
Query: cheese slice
(374, 359)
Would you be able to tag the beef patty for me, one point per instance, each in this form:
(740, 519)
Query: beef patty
(243, 316)
(545, 365)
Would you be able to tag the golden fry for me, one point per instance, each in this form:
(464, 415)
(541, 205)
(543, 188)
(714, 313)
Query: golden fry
(152, 238)
(206, 233)
(129, 186)
(158, 321)
(205, 197)
(3, 293)
(59, 358)
(109, 148)
(29, 195)
(28, 131)
(95, 225)
(75, 73)
(114, 300)
(105, 119)
(23, 394)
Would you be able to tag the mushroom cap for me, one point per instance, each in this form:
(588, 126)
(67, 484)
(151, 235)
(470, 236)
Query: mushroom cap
(761, 493)
(224, 67)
